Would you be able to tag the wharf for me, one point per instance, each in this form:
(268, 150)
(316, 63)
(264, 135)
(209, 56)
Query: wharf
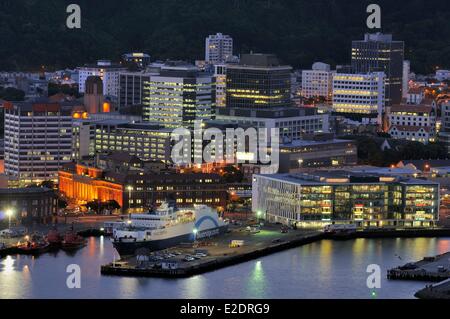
(267, 241)
(437, 291)
(428, 269)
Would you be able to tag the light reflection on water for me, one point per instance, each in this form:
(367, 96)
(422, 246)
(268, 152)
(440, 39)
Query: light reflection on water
(326, 269)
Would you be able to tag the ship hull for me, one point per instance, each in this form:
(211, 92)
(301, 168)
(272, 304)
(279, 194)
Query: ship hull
(128, 247)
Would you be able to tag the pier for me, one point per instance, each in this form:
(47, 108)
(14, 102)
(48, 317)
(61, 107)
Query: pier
(219, 253)
(437, 291)
(428, 269)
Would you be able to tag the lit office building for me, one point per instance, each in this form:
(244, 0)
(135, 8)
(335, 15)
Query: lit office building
(178, 96)
(220, 74)
(144, 140)
(38, 140)
(379, 53)
(258, 81)
(292, 122)
(318, 82)
(366, 200)
(359, 96)
(218, 48)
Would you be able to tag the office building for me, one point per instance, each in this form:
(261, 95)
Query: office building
(220, 75)
(317, 150)
(365, 199)
(258, 81)
(442, 75)
(218, 48)
(444, 134)
(178, 96)
(131, 86)
(107, 71)
(93, 95)
(38, 140)
(406, 75)
(359, 96)
(318, 82)
(292, 122)
(144, 140)
(413, 122)
(379, 53)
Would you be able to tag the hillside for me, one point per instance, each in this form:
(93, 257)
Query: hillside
(33, 32)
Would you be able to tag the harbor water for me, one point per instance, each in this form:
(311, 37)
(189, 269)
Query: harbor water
(325, 269)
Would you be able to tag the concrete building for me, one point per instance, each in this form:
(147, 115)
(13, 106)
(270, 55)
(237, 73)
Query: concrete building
(220, 75)
(93, 95)
(413, 122)
(444, 134)
(29, 205)
(144, 140)
(218, 48)
(131, 86)
(292, 122)
(107, 71)
(258, 81)
(359, 96)
(317, 150)
(367, 200)
(379, 53)
(415, 95)
(318, 82)
(406, 75)
(178, 96)
(38, 140)
(137, 189)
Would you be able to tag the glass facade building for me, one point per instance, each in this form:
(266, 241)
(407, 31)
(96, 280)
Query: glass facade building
(324, 197)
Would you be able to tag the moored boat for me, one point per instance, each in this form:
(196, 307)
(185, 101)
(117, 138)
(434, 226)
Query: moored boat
(33, 245)
(54, 238)
(72, 241)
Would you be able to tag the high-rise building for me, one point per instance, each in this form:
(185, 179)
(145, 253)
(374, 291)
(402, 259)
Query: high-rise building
(359, 96)
(218, 48)
(444, 134)
(131, 88)
(258, 81)
(406, 72)
(107, 71)
(379, 53)
(220, 74)
(178, 96)
(38, 140)
(317, 82)
(144, 140)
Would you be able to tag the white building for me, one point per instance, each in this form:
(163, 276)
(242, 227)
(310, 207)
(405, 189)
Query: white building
(108, 72)
(291, 122)
(442, 75)
(415, 95)
(444, 134)
(359, 95)
(406, 73)
(178, 96)
(218, 48)
(38, 140)
(318, 82)
(413, 122)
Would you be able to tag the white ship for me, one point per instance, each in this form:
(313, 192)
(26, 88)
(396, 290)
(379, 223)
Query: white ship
(167, 227)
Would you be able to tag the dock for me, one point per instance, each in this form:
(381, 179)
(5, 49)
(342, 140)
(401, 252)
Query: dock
(432, 269)
(437, 291)
(219, 253)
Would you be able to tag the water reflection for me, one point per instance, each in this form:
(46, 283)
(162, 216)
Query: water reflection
(326, 269)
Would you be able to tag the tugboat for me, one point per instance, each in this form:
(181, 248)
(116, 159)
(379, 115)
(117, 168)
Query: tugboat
(36, 245)
(54, 238)
(72, 241)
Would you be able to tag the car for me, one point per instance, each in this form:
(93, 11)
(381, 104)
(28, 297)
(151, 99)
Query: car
(188, 259)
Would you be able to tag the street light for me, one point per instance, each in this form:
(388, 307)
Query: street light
(129, 189)
(195, 231)
(9, 213)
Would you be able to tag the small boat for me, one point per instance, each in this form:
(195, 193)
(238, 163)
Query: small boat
(72, 241)
(35, 245)
(54, 238)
